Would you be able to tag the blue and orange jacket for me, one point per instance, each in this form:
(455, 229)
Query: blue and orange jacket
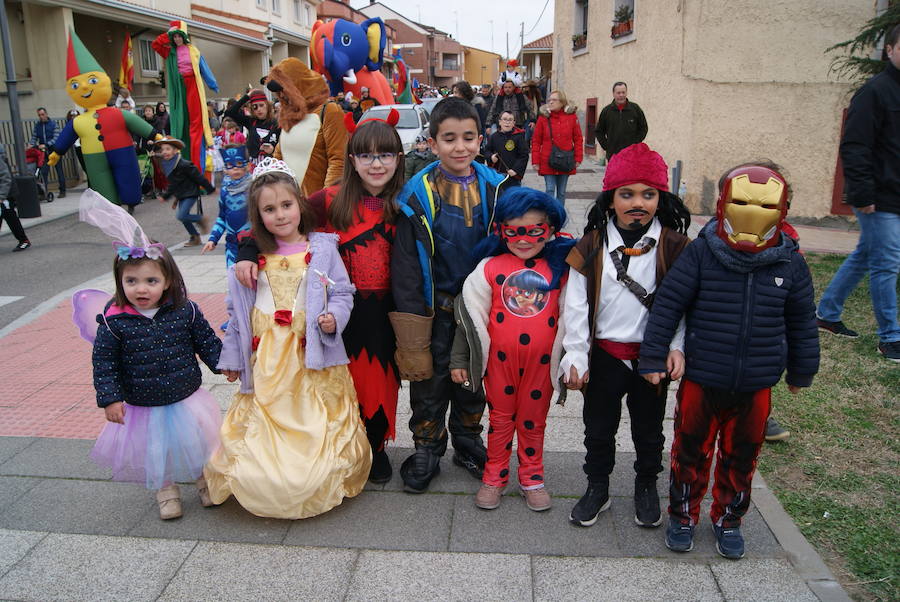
(415, 243)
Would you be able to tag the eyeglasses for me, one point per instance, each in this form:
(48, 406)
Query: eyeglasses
(507, 119)
(367, 159)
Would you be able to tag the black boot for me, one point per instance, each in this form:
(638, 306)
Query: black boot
(646, 503)
(381, 470)
(418, 470)
(376, 431)
(594, 501)
(470, 453)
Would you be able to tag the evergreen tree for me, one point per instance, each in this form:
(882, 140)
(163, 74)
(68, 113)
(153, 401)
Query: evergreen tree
(856, 65)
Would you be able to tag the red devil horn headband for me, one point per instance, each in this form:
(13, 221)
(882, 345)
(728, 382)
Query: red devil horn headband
(392, 120)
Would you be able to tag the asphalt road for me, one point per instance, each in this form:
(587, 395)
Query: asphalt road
(66, 253)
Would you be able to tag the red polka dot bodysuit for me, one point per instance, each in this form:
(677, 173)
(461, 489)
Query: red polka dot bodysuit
(522, 326)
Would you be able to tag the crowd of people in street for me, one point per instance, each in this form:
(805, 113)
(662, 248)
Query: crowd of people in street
(361, 265)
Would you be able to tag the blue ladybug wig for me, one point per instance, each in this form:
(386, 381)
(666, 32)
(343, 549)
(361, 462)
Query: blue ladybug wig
(516, 202)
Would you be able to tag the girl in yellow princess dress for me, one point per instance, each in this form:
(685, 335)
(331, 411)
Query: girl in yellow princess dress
(293, 444)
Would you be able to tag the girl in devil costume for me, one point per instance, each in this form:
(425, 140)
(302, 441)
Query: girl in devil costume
(361, 211)
(509, 335)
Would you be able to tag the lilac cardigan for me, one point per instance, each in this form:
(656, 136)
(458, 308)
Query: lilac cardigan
(322, 350)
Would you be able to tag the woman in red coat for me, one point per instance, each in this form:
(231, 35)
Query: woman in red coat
(561, 118)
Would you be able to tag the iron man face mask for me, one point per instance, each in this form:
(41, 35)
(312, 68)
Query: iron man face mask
(751, 208)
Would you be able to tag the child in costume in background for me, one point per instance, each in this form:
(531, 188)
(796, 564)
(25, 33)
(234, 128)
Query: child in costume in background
(293, 445)
(508, 334)
(362, 212)
(508, 150)
(635, 231)
(186, 185)
(445, 211)
(417, 160)
(747, 297)
(232, 218)
(162, 426)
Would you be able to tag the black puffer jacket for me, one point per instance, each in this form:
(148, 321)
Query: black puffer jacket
(870, 149)
(152, 362)
(186, 181)
(749, 316)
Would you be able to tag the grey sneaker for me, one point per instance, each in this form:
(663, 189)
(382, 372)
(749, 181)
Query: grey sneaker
(774, 432)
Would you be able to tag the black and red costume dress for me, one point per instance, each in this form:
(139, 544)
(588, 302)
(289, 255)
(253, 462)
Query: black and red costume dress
(369, 339)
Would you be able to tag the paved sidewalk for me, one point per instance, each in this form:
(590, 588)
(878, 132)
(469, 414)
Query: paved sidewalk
(68, 532)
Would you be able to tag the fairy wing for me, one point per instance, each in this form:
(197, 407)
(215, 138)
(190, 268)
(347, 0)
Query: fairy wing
(86, 305)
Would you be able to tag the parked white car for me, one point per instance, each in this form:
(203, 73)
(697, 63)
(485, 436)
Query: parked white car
(413, 122)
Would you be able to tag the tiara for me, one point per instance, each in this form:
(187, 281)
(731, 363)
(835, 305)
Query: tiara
(270, 165)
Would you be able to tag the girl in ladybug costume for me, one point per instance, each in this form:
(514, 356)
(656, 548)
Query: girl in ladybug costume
(509, 337)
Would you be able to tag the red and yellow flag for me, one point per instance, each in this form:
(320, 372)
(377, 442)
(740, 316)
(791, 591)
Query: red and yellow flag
(126, 69)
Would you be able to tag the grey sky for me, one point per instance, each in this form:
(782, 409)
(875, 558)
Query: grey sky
(471, 18)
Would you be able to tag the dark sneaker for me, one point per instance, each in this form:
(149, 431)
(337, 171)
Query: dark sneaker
(646, 503)
(22, 246)
(61, 195)
(774, 432)
(418, 470)
(890, 350)
(837, 328)
(679, 537)
(594, 501)
(729, 542)
(469, 453)
(381, 470)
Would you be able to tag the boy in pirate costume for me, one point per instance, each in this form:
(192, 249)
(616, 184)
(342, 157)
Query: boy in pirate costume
(747, 298)
(635, 231)
(445, 211)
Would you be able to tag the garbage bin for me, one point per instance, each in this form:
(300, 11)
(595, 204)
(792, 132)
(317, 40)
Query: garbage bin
(27, 204)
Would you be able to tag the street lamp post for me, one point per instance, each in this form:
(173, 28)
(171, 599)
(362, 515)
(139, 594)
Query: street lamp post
(14, 113)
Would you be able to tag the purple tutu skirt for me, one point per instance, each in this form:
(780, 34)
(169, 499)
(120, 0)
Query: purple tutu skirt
(161, 445)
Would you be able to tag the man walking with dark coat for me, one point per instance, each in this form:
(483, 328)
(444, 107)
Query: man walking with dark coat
(621, 122)
(870, 151)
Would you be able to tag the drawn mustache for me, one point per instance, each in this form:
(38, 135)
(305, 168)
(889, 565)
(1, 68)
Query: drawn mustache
(637, 212)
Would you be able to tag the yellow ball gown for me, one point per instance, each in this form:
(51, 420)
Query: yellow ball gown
(296, 447)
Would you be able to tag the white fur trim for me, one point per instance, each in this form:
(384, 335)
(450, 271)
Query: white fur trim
(476, 295)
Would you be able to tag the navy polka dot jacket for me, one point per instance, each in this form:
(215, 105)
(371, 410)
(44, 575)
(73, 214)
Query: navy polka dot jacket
(151, 362)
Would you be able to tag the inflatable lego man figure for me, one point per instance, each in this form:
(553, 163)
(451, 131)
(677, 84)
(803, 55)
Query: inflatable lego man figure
(105, 132)
(186, 71)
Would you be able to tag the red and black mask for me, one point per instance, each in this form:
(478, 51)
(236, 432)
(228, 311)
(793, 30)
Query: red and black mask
(534, 233)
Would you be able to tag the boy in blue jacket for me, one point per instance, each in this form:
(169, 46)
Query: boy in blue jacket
(747, 297)
(445, 211)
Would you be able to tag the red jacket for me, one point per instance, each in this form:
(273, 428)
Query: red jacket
(566, 135)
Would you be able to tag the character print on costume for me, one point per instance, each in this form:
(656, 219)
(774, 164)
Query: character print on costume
(510, 145)
(524, 293)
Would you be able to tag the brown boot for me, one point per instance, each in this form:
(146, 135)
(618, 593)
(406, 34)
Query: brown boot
(194, 241)
(203, 493)
(413, 354)
(488, 496)
(169, 500)
(537, 499)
